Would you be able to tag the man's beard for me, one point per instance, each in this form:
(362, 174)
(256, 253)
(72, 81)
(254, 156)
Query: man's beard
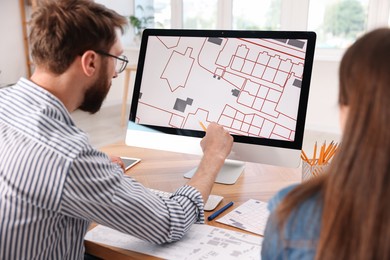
(95, 95)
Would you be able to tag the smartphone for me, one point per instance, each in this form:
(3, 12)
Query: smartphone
(130, 162)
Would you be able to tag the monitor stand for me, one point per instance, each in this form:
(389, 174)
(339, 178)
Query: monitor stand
(228, 174)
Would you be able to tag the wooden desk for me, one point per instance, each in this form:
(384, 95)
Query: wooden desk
(164, 171)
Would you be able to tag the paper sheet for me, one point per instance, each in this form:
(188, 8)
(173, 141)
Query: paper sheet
(200, 242)
(251, 216)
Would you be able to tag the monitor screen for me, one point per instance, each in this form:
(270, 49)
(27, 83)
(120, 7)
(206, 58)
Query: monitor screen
(254, 83)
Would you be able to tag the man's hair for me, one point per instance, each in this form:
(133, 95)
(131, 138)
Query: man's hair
(62, 30)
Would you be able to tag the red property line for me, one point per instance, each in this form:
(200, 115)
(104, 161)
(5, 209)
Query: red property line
(251, 123)
(157, 108)
(289, 54)
(282, 45)
(188, 75)
(177, 44)
(231, 126)
(265, 119)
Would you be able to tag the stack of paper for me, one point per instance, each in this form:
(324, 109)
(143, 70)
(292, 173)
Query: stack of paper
(251, 216)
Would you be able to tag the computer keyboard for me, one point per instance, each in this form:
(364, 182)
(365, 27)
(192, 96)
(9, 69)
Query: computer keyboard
(211, 203)
(164, 194)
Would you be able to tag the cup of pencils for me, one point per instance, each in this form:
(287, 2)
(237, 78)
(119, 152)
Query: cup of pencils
(317, 165)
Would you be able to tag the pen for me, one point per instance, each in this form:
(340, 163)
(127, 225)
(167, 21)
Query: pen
(202, 125)
(218, 212)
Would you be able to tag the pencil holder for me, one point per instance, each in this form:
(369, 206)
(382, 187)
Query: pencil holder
(312, 170)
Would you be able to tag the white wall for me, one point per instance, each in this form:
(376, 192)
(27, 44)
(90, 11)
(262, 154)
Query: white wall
(116, 92)
(322, 108)
(12, 61)
(322, 111)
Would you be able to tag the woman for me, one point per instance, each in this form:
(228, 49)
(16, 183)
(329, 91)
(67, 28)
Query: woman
(345, 214)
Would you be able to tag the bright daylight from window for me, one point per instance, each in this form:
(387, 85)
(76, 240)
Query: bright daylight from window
(337, 23)
(261, 15)
(200, 14)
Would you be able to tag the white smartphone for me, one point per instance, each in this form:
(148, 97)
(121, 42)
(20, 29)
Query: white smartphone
(130, 162)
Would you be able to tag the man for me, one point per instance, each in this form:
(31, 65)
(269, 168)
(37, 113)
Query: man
(52, 182)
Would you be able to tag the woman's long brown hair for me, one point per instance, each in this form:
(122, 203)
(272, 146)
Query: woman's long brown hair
(356, 190)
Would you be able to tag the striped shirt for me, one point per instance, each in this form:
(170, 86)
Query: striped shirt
(53, 184)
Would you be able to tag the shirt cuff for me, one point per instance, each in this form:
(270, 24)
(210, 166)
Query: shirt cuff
(185, 193)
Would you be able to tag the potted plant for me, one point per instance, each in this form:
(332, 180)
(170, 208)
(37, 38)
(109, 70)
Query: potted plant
(142, 22)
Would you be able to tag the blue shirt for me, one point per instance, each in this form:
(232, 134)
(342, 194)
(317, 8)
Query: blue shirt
(301, 231)
(53, 184)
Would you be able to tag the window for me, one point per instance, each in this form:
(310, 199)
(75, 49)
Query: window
(153, 13)
(337, 22)
(200, 14)
(256, 15)
(162, 14)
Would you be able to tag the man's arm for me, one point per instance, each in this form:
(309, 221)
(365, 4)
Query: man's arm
(216, 146)
(117, 160)
(97, 190)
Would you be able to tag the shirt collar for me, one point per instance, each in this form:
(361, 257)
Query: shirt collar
(43, 97)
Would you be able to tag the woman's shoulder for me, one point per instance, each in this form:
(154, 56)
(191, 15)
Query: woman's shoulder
(300, 233)
(279, 196)
(273, 203)
(305, 217)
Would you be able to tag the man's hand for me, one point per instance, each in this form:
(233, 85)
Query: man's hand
(217, 141)
(117, 160)
(216, 146)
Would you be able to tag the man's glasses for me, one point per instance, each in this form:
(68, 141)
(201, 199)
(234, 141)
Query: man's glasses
(120, 62)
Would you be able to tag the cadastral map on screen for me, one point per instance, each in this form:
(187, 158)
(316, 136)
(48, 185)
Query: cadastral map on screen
(250, 86)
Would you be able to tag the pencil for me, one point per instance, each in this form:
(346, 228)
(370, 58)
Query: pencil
(304, 157)
(315, 152)
(322, 151)
(202, 125)
(327, 150)
(331, 153)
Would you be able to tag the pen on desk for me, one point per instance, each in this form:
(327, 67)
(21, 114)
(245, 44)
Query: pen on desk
(202, 125)
(218, 212)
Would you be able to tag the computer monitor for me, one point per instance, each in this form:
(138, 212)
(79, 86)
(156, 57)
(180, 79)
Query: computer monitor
(254, 83)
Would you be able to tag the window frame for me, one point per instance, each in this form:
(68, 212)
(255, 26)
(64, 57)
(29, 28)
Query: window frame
(294, 16)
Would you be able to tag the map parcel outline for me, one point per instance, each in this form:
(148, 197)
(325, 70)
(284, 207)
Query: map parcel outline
(250, 86)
